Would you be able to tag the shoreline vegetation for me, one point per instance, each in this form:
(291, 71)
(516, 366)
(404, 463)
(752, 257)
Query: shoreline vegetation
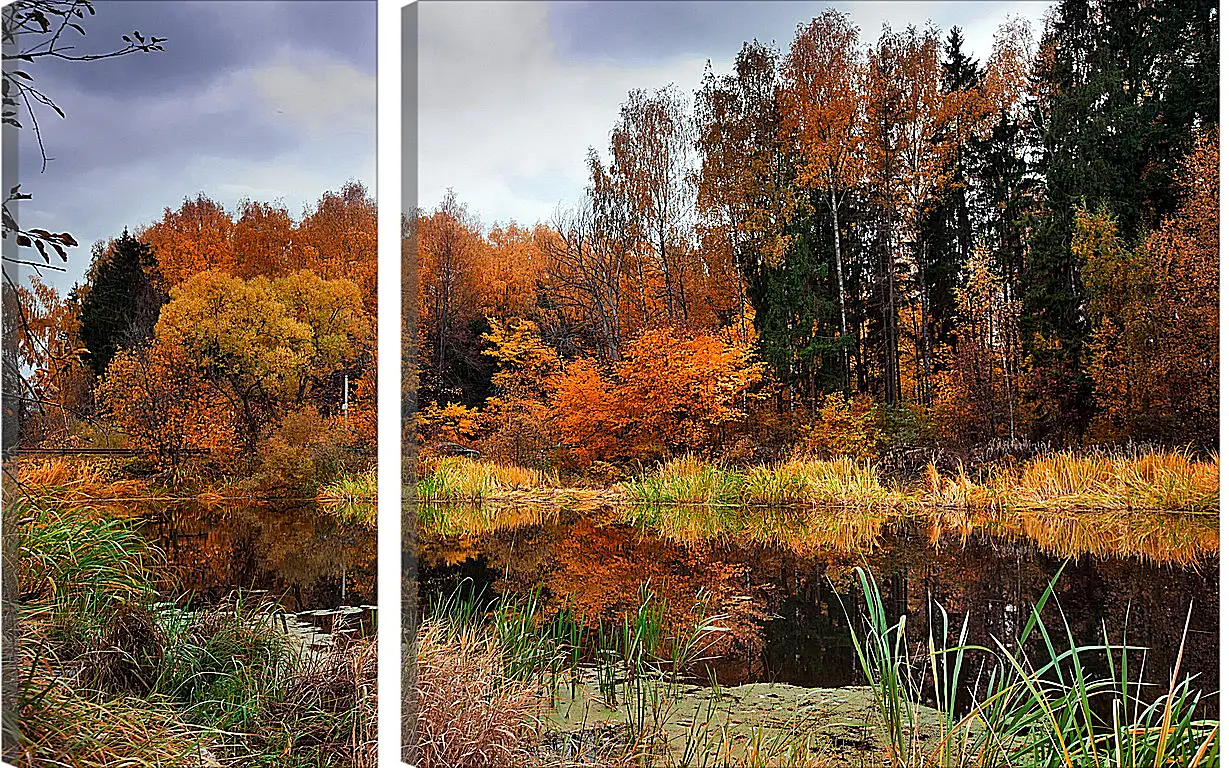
(115, 673)
(501, 683)
(92, 481)
(212, 355)
(1171, 481)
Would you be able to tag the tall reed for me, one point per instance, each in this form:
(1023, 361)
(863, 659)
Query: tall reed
(841, 482)
(457, 478)
(1046, 708)
(638, 660)
(1172, 481)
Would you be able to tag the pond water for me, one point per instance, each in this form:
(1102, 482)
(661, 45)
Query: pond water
(312, 565)
(786, 579)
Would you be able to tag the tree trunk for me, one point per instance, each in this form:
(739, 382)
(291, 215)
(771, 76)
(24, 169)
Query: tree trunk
(891, 362)
(840, 285)
(924, 297)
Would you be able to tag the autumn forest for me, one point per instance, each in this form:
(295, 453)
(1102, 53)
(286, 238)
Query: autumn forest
(840, 249)
(216, 344)
(707, 461)
(859, 407)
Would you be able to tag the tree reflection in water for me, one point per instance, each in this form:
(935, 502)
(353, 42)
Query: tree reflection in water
(304, 559)
(783, 578)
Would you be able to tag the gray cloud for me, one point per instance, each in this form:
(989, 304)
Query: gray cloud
(646, 31)
(212, 36)
(269, 100)
(512, 94)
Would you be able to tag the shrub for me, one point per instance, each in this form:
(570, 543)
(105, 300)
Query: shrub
(451, 422)
(844, 426)
(303, 453)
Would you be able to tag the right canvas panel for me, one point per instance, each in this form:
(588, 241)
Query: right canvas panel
(813, 384)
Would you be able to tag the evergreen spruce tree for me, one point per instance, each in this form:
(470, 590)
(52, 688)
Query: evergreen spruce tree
(796, 308)
(122, 304)
(1120, 85)
(946, 237)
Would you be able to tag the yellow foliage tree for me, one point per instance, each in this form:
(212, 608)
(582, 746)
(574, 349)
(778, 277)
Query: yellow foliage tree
(977, 392)
(1154, 359)
(844, 426)
(517, 417)
(266, 346)
(452, 422)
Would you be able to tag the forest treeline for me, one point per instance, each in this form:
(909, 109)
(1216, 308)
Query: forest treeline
(245, 340)
(844, 248)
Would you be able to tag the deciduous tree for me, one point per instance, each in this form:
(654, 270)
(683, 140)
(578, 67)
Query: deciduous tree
(157, 395)
(745, 193)
(264, 241)
(587, 254)
(192, 239)
(822, 114)
(653, 146)
(1154, 359)
(977, 393)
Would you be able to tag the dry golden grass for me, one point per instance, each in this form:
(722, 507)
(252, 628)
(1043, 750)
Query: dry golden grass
(74, 481)
(841, 482)
(469, 714)
(460, 479)
(1171, 481)
(351, 489)
(341, 681)
(63, 728)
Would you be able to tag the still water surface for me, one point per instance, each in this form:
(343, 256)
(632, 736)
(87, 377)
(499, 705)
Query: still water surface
(309, 563)
(786, 579)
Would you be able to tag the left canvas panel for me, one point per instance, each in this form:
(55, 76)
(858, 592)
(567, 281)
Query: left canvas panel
(189, 383)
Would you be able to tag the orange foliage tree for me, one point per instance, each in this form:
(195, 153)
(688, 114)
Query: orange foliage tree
(673, 392)
(338, 238)
(48, 343)
(586, 415)
(191, 240)
(159, 398)
(264, 241)
(508, 273)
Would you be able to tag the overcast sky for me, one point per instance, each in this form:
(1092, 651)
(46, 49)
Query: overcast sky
(273, 101)
(511, 94)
